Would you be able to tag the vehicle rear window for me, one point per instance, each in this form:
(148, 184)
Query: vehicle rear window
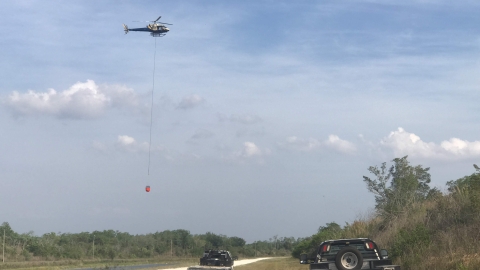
(335, 248)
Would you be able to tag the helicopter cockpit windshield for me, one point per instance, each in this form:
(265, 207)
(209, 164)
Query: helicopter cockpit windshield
(153, 27)
(158, 27)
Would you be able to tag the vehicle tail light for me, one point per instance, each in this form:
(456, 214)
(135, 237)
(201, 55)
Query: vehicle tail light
(369, 245)
(325, 248)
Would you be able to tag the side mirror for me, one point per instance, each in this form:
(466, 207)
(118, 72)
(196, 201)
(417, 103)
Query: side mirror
(384, 254)
(303, 258)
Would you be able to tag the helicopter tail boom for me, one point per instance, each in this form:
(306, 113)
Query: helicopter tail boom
(125, 28)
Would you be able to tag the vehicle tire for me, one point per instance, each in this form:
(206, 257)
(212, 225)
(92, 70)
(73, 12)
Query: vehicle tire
(348, 258)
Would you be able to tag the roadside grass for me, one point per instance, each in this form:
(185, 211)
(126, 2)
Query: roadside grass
(98, 264)
(283, 263)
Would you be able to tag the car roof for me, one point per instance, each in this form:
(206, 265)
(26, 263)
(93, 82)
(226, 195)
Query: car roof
(347, 240)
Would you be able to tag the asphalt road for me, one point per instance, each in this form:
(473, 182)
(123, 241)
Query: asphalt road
(236, 263)
(127, 267)
(141, 266)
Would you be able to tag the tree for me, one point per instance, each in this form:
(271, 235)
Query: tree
(237, 241)
(331, 231)
(399, 186)
(9, 233)
(215, 241)
(468, 187)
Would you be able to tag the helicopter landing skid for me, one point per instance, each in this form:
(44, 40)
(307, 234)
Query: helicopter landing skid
(157, 34)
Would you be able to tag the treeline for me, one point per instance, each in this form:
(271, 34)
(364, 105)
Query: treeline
(110, 244)
(420, 226)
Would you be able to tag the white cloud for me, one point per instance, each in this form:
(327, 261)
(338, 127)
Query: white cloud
(250, 150)
(340, 145)
(406, 143)
(190, 102)
(311, 144)
(126, 140)
(129, 144)
(81, 100)
(120, 95)
(299, 144)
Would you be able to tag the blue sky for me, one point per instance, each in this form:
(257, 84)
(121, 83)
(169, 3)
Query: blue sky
(270, 110)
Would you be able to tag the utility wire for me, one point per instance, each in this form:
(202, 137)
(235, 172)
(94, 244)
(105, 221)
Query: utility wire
(151, 107)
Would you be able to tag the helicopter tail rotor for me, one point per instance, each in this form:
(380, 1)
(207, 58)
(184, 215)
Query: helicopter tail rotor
(125, 28)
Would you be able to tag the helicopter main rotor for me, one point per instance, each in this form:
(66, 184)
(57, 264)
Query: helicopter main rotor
(156, 21)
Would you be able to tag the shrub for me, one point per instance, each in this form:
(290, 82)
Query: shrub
(410, 244)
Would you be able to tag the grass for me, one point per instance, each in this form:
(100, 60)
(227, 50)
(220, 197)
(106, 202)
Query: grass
(106, 264)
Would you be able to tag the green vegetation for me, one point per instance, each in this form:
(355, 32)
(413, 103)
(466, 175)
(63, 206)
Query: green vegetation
(100, 247)
(421, 227)
(408, 185)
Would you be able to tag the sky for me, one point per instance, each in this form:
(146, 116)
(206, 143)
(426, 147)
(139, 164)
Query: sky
(264, 115)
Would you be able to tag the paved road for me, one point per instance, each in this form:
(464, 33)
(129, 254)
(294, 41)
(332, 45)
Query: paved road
(236, 263)
(141, 266)
(128, 267)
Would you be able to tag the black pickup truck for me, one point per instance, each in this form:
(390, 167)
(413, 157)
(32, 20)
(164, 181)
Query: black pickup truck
(216, 258)
(349, 254)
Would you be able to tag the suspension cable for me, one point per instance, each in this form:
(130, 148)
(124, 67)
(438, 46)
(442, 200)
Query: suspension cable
(151, 108)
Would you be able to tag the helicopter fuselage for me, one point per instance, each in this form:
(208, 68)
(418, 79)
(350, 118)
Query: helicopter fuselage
(160, 29)
(156, 29)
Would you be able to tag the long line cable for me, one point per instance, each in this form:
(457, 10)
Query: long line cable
(151, 107)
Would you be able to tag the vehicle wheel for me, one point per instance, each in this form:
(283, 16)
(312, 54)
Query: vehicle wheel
(349, 258)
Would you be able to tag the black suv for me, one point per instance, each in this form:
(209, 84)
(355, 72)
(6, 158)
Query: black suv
(347, 254)
(216, 258)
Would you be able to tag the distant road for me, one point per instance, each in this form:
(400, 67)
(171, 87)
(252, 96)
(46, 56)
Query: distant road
(142, 266)
(236, 263)
(127, 267)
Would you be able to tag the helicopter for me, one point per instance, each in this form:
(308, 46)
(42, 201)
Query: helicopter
(156, 28)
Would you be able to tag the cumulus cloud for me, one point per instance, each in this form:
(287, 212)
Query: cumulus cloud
(190, 102)
(246, 119)
(406, 143)
(340, 145)
(120, 96)
(81, 100)
(129, 144)
(249, 152)
(306, 145)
